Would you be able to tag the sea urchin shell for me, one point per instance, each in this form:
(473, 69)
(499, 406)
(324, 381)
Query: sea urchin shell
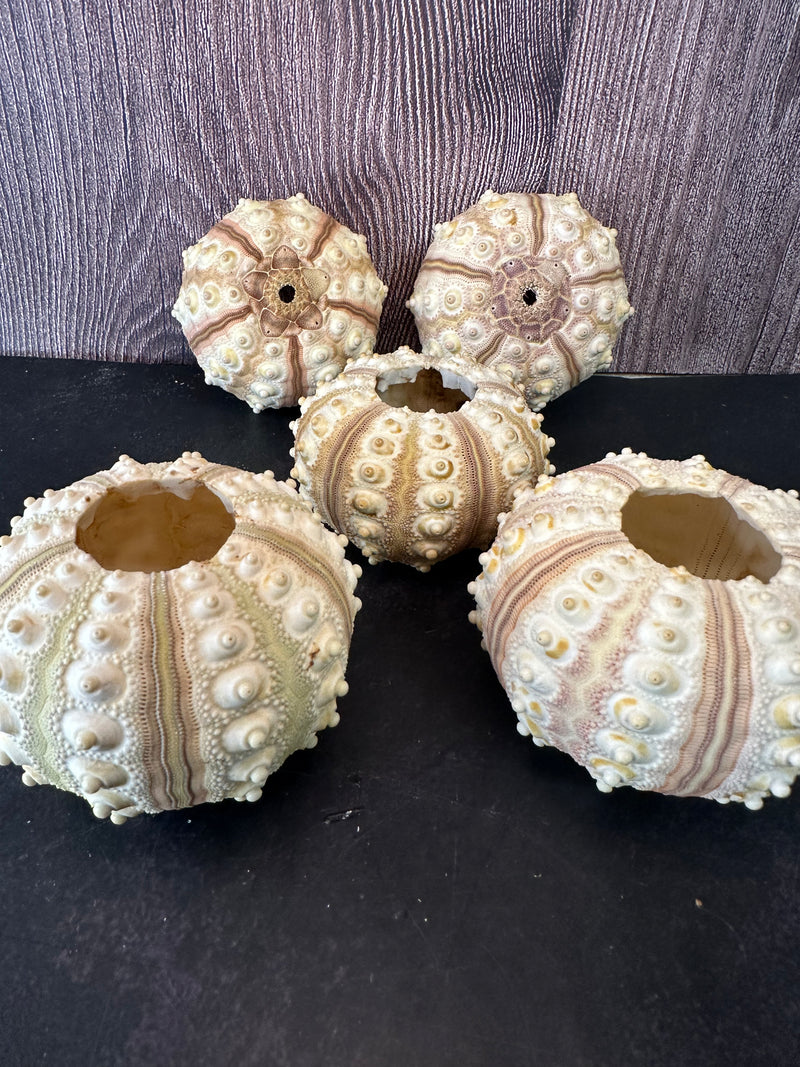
(412, 456)
(526, 282)
(275, 298)
(644, 616)
(169, 633)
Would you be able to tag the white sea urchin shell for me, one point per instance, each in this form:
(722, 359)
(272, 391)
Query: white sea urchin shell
(529, 283)
(169, 633)
(275, 298)
(644, 616)
(413, 456)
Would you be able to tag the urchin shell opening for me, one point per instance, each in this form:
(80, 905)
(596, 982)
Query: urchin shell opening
(424, 389)
(704, 534)
(153, 526)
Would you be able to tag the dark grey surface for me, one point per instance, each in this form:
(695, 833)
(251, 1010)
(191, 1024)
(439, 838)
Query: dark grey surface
(425, 887)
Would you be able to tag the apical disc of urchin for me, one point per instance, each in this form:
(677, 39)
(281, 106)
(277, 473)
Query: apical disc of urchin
(643, 615)
(277, 297)
(169, 634)
(529, 283)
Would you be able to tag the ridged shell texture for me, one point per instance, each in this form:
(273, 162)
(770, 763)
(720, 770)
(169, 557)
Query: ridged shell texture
(529, 283)
(275, 298)
(149, 691)
(660, 675)
(416, 485)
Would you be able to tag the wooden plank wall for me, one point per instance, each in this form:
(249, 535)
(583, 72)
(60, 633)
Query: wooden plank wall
(128, 129)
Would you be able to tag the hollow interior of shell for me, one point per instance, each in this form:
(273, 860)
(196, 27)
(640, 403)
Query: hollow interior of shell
(704, 534)
(153, 526)
(424, 389)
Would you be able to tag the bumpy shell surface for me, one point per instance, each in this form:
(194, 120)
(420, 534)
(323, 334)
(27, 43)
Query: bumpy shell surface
(275, 298)
(416, 486)
(528, 283)
(144, 692)
(649, 674)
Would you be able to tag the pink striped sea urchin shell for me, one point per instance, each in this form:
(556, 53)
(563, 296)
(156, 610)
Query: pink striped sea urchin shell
(528, 283)
(413, 455)
(275, 298)
(644, 616)
(169, 634)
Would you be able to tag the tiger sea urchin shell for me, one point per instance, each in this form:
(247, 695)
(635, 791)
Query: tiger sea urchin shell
(529, 283)
(275, 298)
(169, 634)
(644, 616)
(412, 456)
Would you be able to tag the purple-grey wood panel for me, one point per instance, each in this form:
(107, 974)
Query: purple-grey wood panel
(680, 126)
(128, 129)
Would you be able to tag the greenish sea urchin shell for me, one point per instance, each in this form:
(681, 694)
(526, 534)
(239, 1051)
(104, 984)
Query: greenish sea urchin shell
(169, 634)
(275, 298)
(644, 616)
(528, 283)
(413, 455)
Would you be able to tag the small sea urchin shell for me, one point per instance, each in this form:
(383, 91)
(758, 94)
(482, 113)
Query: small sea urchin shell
(169, 634)
(529, 283)
(644, 616)
(275, 298)
(413, 456)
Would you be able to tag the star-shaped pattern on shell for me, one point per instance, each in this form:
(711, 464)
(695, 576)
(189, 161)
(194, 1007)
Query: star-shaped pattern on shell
(286, 294)
(531, 297)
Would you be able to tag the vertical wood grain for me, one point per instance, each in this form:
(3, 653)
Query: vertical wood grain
(679, 126)
(129, 129)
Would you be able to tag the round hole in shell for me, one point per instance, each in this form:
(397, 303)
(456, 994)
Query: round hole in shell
(529, 297)
(150, 526)
(704, 534)
(424, 389)
(286, 293)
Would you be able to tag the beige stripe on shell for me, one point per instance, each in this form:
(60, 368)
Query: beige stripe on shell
(368, 316)
(487, 354)
(151, 755)
(296, 375)
(536, 224)
(484, 475)
(184, 696)
(563, 350)
(202, 337)
(230, 229)
(163, 732)
(533, 576)
(594, 279)
(401, 492)
(620, 474)
(721, 719)
(449, 266)
(318, 243)
(335, 455)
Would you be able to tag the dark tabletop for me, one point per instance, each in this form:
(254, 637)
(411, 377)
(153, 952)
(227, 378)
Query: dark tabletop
(425, 887)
